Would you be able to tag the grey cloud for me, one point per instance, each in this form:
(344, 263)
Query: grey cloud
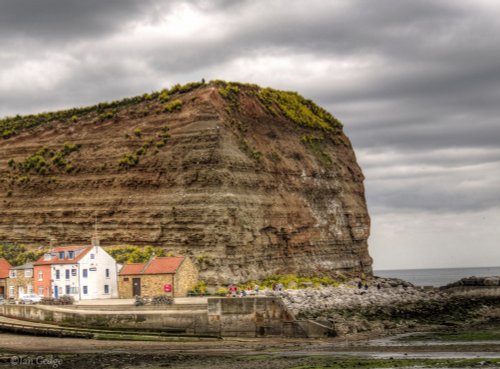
(50, 20)
(434, 83)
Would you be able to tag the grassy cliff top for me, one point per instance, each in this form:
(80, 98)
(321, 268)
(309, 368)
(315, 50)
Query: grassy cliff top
(289, 104)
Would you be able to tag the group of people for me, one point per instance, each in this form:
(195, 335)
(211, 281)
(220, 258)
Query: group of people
(233, 291)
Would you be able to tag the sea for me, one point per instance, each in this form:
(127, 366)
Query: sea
(437, 277)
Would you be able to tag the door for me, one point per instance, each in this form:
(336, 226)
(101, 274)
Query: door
(136, 286)
(56, 292)
(20, 292)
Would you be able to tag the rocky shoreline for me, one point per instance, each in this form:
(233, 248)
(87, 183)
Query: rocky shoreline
(391, 304)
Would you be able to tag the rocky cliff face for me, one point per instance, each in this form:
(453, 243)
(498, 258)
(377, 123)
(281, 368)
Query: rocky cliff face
(249, 181)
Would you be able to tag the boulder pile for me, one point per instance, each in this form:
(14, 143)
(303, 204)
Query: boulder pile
(381, 305)
(383, 293)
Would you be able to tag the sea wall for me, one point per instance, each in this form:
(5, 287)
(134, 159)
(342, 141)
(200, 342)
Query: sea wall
(221, 317)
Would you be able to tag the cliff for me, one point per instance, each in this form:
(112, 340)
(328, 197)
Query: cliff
(249, 181)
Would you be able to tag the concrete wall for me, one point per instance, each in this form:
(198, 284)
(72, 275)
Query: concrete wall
(248, 317)
(189, 321)
(225, 317)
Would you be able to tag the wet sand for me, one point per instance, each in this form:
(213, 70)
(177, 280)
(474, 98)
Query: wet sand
(229, 353)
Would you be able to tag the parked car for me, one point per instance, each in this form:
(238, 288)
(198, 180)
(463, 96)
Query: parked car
(29, 298)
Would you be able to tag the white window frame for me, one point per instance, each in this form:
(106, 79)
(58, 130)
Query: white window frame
(40, 275)
(28, 273)
(13, 274)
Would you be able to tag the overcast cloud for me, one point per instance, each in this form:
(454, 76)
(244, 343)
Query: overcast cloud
(416, 84)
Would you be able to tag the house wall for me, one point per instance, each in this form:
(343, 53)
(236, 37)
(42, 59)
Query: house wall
(96, 278)
(185, 278)
(151, 285)
(62, 281)
(44, 281)
(20, 281)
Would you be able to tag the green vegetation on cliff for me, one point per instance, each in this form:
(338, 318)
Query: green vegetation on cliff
(285, 103)
(46, 161)
(134, 254)
(19, 254)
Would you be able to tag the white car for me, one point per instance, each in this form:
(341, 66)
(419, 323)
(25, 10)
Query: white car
(29, 298)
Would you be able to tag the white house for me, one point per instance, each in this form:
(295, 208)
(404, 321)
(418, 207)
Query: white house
(83, 272)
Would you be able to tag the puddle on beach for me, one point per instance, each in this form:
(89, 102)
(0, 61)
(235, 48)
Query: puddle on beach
(398, 340)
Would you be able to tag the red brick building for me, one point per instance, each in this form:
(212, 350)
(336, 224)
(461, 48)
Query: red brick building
(4, 274)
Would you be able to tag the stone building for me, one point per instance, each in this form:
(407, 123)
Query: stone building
(20, 280)
(4, 275)
(171, 276)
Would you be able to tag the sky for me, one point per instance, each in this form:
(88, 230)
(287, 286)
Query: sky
(416, 84)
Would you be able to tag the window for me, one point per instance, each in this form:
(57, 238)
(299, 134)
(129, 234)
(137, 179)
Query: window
(61, 255)
(28, 273)
(13, 274)
(73, 272)
(107, 273)
(71, 254)
(85, 273)
(12, 291)
(74, 290)
(40, 291)
(68, 290)
(66, 272)
(106, 289)
(58, 274)
(92, 256)
(40, 275)
(30, 289)
(85, 290)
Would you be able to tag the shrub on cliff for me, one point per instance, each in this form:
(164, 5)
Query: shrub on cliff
(172, 106)
(19, 254)
(134, 254)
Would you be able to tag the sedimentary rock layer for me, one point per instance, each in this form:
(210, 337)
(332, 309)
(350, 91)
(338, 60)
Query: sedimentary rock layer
(242, 188)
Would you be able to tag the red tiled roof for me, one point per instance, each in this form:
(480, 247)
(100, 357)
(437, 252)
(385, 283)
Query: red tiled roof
(163, 265)
(55, 258)
(4, 268)
(157, 265)
(135, 268)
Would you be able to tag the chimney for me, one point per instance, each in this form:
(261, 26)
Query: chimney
(95, 237)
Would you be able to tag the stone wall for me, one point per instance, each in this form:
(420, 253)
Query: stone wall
(151, 285)
(185, 278)
(20, 281)
(182, 281)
